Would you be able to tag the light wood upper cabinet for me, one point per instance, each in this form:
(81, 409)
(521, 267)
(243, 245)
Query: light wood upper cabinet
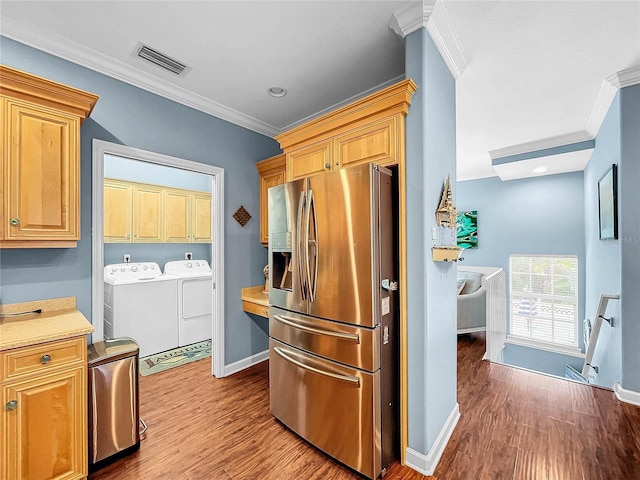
(272, 172)
(176, 216)
(310, 160)
(373, 143)
(117, 211)
(143, 213)
(40, 160)
(370, 130)
(44, 413)
(200, 217)
(148, 214)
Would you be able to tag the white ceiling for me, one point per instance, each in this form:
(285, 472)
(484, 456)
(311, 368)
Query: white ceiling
(531, 74)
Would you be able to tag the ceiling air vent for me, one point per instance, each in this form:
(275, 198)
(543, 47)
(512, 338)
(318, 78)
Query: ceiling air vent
(160, 59)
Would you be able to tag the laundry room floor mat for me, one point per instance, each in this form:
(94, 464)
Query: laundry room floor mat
(174, 358)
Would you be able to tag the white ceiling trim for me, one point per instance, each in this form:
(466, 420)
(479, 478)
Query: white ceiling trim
(601, 107)
(86, 57)
(625, 78)
(411, 18)
(432, 15)
(565, 162)
(443, 35)
(344, 102)
(541, 144)
(608, 90)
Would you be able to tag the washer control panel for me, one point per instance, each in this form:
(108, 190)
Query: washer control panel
(132, 271)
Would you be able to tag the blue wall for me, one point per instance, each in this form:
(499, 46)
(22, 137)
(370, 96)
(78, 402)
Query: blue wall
(603, 256)
(630, 235)
(430, 158)
(534, 215)
(613, 266)
(540, 360)
(131, 116)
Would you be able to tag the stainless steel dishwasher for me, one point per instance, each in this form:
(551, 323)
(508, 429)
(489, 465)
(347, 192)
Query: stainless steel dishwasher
(114, 418)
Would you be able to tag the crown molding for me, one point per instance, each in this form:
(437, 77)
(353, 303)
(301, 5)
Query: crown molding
(347, 101)
(444, 36)
(625, 78)
(86, 57)
(412, 18)
(608, 89)
(432, 15)
(541, 144)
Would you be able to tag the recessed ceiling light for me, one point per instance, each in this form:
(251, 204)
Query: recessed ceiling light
(277, 92)
(539, 169)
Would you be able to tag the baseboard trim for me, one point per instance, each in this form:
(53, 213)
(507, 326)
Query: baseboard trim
(627, 396)
(426, 464)
(245, 363)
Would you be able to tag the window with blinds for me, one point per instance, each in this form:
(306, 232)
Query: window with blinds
(544, 298)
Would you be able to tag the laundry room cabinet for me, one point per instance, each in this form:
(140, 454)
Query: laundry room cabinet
(144, 213)
(148, 214)
(117, 211)
(40, 160)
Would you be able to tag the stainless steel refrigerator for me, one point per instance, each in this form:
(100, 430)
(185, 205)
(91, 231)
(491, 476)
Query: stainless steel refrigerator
(333, 350)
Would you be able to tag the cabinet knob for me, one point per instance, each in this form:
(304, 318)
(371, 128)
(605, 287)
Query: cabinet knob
(14, 221)
(12, 405)
(327, 165)
(44, 359)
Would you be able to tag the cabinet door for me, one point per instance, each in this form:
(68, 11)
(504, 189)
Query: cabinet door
(373, 143)
(46, 427)
(266, 182)
(309, 160)
(201, 217)
(117, 211)
(147, 214)
(41, 177)
(176, 216)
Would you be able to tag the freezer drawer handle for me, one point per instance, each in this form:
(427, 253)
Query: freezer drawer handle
(344, 378)
(351, 337)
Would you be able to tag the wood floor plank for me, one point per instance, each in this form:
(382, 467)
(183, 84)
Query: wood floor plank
(513, 424)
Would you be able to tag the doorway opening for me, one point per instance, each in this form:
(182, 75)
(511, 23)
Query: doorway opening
(215, 176)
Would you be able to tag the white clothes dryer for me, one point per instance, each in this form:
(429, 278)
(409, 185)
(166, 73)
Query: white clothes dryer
(195, 299)
(141, 302)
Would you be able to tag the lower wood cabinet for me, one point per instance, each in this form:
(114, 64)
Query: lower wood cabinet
(44, 416)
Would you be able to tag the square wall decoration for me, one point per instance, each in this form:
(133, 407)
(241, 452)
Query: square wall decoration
(467, 229)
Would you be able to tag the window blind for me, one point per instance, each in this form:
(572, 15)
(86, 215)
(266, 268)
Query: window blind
(544, 298)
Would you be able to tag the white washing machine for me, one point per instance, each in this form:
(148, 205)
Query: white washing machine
(142, 303)
(195, 299)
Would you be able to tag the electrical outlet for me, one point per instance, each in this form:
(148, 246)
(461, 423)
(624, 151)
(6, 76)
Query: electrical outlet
(188, 256)
(127, 257)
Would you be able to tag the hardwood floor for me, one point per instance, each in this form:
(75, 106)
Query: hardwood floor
(514, 425)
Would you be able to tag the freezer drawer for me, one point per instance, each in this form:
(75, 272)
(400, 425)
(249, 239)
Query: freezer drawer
(352, 345)
(332, 406)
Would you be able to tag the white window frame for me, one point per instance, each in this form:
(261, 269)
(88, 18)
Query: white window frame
(539, 343)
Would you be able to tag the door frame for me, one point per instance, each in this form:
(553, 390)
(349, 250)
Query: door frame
(100, 148)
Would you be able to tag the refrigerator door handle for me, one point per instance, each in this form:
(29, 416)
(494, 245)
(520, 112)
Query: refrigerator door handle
(345, 378)
(351, 337)
(312, 245)
(302, 251)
